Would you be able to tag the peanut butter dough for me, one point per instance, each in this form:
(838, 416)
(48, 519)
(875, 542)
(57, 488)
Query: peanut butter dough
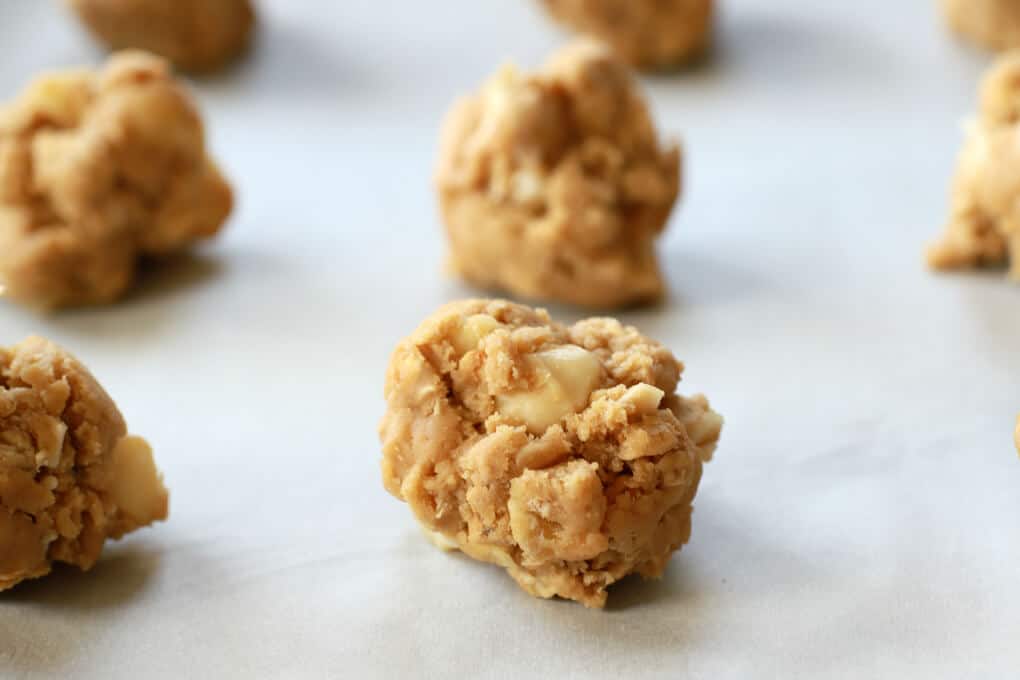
(98, 170)
(992, 24)
(196, 35)
(560, 453)
(70, 476)
(984, 223)
(553, 186)
(646, 33)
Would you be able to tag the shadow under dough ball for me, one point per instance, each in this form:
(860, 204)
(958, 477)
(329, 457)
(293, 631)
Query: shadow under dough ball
(992, 24)
(553, 185)
(70, 475)
(196, 35)
(561, 453)
(650, 34)
(99, 169)
(984, 221)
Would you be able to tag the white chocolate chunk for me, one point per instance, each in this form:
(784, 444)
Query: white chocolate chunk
(643, 398)
(49, 436)
(705, 429)
(567, 375)
(527, 186)
(439, 540)
(472, 331)
(137, 487)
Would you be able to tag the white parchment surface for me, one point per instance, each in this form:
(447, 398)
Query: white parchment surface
(861, 518)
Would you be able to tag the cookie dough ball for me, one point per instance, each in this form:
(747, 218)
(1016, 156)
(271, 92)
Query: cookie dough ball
(553, 186)
(993, 24)
(984, 223)
(99, 170)
(560, 453)
(646, 33)
(70, 476)
(196, 35)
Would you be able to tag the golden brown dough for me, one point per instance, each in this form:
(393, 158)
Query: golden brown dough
(560, 453)
(645, 33)
(97, 170)
(70, 476)
(196, 35)
(984, 223)
(553, 186)
(993, 24)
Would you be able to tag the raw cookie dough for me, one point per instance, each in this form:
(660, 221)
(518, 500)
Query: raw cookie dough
(993, 24)
(553, 185)
(196, 35)
(560, 453)
(645, 33)
(70, 476)
(984, 223)
(98, 170)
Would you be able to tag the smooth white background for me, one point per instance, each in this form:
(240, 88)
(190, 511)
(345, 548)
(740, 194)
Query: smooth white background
(861, 519)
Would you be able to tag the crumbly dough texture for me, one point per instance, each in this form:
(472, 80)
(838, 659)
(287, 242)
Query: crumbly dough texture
(984, 222)
(70, 476)
(560, 453)
(553, 185)
(646, 33)
(98, 170)
(196, 35)
(992, 24)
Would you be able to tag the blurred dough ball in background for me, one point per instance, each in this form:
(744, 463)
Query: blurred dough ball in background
(101, 170)
(993, 24)
(649, 34)
(982, 228)
(196, 35)
(553, 184)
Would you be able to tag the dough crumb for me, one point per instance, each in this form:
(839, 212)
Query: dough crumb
(992, 24)
(560, 453)
(984, 224)
(649, 34)
(70, 475)
(99, 169)
(196, 35)
(553, 185)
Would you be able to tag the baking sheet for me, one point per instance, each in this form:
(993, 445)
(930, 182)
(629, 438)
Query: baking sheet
(862, 515)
